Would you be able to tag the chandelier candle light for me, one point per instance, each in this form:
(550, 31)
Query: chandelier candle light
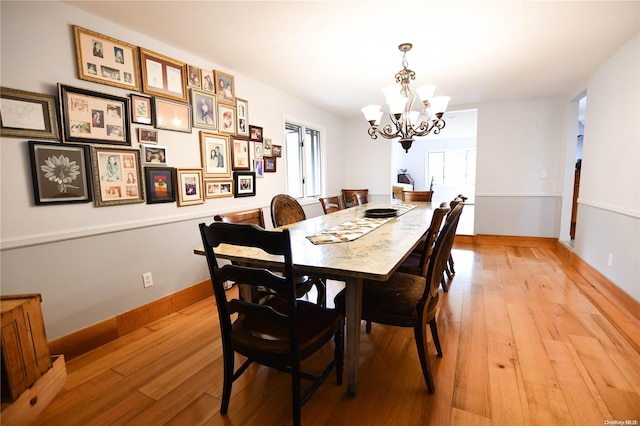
(400, 100)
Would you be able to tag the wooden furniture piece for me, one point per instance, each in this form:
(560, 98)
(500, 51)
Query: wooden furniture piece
(375, 256)
(448, 267)
(574, 205)
(397, 192)
(255, 217)
(417, 195)
(331, 204)
(286, 210)
(282, 331)
(350, 197)
(407, 300)
(449, 270)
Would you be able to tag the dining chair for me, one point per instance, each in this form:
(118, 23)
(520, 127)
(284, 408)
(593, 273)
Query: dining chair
(286, 210)
(417, 195)
(303, 282)
(407, 300)
(350, 200)
(397, 192)
(449, 270)
(331, 204)
(280, 332)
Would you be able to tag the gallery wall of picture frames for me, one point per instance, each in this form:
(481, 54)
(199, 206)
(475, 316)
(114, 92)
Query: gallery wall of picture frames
(89, 156)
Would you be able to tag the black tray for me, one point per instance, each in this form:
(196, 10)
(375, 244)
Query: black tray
(378, 213)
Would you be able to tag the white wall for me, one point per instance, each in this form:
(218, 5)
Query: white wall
(86, 261)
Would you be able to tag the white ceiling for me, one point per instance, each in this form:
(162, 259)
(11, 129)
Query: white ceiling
(338, 54)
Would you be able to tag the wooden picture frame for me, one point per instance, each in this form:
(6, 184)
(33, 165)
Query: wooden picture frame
(153, 155)
(270, 164)
(160, 184)
(218, 188)
(244, 184)
(241, 155)
(117, 176)
(60, 172)
(204, 109)
(172, 115)
(190, 190)
(141, 109)
(94, 117)
(258, 167)
(226, 119)
(106, 60)
(215, 153)
(147, 135)
(255, 133)
(276, 150)
(208, 81)
(242, 117)
(28, 115)
(194, 76)
(225, 87)
(163, 76)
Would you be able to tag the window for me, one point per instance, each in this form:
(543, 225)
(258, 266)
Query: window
(452, 168)
(304, 167)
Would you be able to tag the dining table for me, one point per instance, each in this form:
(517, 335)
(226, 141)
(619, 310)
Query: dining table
(373, 256)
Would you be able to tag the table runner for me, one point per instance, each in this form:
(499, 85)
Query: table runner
(356, 228)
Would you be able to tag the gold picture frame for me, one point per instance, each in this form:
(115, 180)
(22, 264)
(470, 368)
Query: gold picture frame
(117, 176)
(190, 188)
(163, 76)
(28, 115)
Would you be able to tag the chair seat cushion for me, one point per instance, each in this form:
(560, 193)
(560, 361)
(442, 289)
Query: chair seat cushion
(316, 325)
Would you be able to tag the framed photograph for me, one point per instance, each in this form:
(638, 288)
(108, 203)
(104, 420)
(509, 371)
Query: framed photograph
(242, 117)
(276, 150)
(218, 188)
(241, 155)
(194, 76)
(203, 106)
(226, 119)
(141, 110)
(154, 154)
(207, 81)
(190, 187)
(93, 117)
(172, 115)
(60, 172)
(105, 60)
(160, 184)
(257, 150)
(255, 133)
(225, 88)
(27, 115)
(215, 152)
(147, 136)
(258, 167)
(163, 76)
(269, 164)
(245, 184)
(117, 176)
(266, 149)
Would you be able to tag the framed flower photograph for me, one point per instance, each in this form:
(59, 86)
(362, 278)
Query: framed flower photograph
(190, 190)
(258, 167)
(172, 115)
(245, 184)
(93, 117)
(203, 107)
(241, 155)
(147, 136)
(269, 164)
(27, 114)
(163, 76)
(60, 172)
(226, 119)
(215, 153)
(154, 154)
(242, 117)
(276, 150)
(207, 81)
(105, 60)
(218, 188)
(160, 184)
(225, 88)
(117, 176)
(141, 109)
(194, 76)
(255, 133)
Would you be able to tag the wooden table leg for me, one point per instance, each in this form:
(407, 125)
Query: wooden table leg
(354, 313)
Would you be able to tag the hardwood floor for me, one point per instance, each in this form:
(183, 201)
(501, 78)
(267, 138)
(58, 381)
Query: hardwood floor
(522, 345)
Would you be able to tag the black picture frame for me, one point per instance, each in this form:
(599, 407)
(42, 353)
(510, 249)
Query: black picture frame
(160, 184)
(50, 161)
(244, 184)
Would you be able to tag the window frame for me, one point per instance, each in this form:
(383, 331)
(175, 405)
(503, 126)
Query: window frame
(306, 125)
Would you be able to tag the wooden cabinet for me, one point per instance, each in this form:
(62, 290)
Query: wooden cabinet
(24, 346)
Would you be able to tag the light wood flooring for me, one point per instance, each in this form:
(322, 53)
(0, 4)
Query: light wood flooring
(522, 346)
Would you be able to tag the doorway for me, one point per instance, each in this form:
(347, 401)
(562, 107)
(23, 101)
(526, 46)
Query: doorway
(582, 105)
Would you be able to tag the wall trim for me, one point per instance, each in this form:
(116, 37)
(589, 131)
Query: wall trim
(517, 194)
(610, 208)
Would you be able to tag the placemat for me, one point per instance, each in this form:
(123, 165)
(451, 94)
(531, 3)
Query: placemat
(355, 228)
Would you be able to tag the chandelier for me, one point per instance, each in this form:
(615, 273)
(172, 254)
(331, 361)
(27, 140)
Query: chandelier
(400, 100)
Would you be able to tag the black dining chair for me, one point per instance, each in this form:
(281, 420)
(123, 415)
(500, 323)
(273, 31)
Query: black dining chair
(278, 332)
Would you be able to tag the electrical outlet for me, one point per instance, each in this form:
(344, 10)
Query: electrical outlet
(610, 260)
(544, 174)
(147, 279)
